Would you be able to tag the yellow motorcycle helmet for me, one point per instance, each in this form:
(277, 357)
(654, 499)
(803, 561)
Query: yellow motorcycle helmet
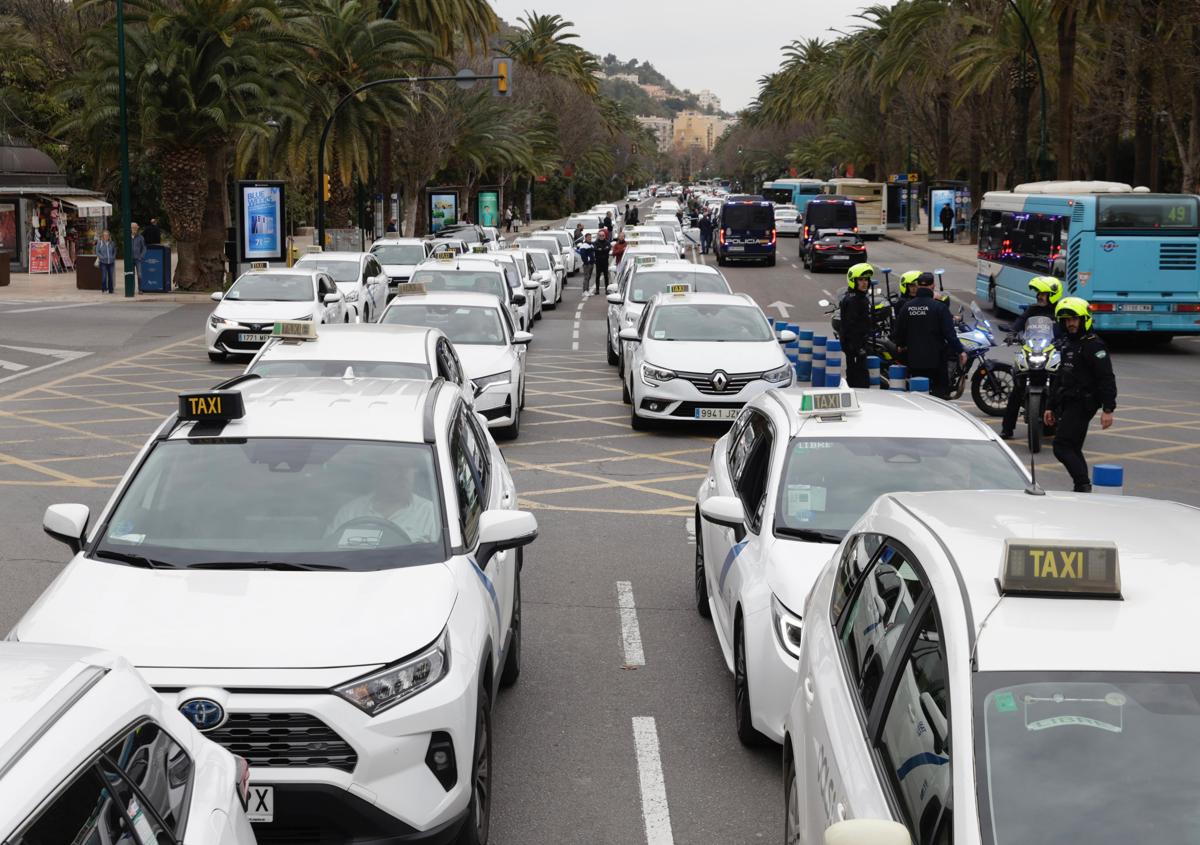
(908, 280)
(859, 271)
(1074, 306)
(1048, 285)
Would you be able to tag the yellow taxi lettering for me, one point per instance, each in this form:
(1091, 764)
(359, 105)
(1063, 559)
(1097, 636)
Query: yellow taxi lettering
(1044, 565)
(1072, 565)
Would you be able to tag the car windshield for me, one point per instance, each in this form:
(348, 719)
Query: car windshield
(341, 271)
(720, 323)
(272, 287)
(463, 324)
(751, 217)
(541, 260)
(649, 282)
(1087, 756)
(404, 254)
(828, 483)
(548, 244)
(462, 280)
(340, 504)
(338, 369)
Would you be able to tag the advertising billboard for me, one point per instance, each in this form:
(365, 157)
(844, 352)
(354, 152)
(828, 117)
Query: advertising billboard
(938, 198)
(489, 208)
(261, 224)
(443, 210)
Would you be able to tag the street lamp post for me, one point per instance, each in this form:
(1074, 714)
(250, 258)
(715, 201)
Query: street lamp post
(1037, 60)
(126, 211)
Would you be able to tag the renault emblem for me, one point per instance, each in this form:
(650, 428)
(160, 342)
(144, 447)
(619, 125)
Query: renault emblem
(720, 381)
(204, 713)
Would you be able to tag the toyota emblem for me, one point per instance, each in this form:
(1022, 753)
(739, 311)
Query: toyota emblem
(204, 713)
(720, 381)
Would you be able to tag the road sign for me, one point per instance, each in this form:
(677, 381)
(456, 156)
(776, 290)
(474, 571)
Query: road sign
(502, 68)
(466, 79)
(904, 178)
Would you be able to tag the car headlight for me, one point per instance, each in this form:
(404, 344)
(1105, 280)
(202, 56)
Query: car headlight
(779, 375)
(787, 627)
(386, 688)
(487, 381)
(352, 295)
(219, 322)
(653, 375)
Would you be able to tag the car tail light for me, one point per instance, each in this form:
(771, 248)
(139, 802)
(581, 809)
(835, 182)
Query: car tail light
(243, 780)
(1191, 308)
(772, 237)
(721, 235)
(855, 247)
(825, 247)
(1101, 306)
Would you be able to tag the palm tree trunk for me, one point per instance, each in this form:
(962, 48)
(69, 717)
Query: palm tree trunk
(1067, 31)
(185, 187)
(210, 253)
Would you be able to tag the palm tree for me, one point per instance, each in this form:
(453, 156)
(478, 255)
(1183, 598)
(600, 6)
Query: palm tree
(451, 23)
(542, 44)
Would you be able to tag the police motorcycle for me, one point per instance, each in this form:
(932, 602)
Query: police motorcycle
(1037, 361)
(991, 381)
(883, 317)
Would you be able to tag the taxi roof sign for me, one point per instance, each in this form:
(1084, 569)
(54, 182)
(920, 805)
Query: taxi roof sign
(679, 288)
(260, 265)
(645, 260)
(1060, 568)
(834, 401)
(211, 406)
(311, 248)
(445, 254)
(295, 330)
(411, 289)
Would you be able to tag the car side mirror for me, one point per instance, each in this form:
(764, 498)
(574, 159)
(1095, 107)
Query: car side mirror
(501, 530)
(615, 299)
(67, 523)
(612, 289)
(216, 296)
(726, 511)
(518, 298)
(786, 336)
(522, 337)
(331, 298)
(824, 303)
(867, 832)
(630, 334)
(532, 285)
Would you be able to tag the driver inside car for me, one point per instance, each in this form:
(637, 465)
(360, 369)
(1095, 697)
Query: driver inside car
(360, 522)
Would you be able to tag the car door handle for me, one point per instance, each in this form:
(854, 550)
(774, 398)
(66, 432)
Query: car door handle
(810, 692)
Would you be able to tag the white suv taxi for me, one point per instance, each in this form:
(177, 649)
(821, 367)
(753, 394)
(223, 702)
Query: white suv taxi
(326, 576)
(1002, 667)
(89, 754)
(783, 487)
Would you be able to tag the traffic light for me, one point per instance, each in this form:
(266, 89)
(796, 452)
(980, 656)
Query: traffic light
(325, 189)
(502, 68)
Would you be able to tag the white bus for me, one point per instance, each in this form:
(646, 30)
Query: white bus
(871, 200)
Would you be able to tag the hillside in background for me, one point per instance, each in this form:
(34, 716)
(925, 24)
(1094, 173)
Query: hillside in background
(638, 101)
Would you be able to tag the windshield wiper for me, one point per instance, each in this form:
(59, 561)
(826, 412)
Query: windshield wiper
(812, 535)
(280, 565)
(134, 560)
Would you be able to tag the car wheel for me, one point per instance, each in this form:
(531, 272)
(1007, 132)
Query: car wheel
(613, 358)
(538, 315)
(477, 825)
(510, 432)
(521, 404)
(347, 320)
(512, 662)
(217, 357)
(741, 691)
(701, 581)
(771, 261)
(720, 260)
(625, 397)
(791, 795)
(366, 315)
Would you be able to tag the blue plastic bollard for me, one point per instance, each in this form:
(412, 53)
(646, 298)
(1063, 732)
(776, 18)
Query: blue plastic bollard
(1108, 478)
(833, 363)
(818, 362)
(873, 363)
(897, 377)
(804, 355)
(918, 384)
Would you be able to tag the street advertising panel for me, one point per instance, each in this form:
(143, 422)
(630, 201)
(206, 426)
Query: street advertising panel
(489, 208)
(260, 213)
(39, 257)
(938, 198)
(8, 227)
(443, 210)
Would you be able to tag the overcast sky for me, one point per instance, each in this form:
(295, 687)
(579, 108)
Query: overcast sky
(721, 45)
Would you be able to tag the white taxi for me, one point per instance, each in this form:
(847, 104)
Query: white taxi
(623, 314)
(783, 487)
(326, 577)
(508, 263)
(358, 276)
(90, 754)
(491, 348)
(649, 275)
(299, 350)
(445, 273)
(399, 257)
(1002, 667)
(245, 314)
(699, 357)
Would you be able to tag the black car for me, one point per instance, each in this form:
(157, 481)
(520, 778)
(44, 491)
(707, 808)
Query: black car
(835, 249)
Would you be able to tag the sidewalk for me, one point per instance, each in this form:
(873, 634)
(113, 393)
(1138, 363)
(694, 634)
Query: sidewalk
(960, 251)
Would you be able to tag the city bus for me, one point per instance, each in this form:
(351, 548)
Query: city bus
(1130, 253)
(871, 200)
(795, 192)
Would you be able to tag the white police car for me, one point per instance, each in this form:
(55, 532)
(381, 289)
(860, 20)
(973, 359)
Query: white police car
(89, 754)
(325, 574)
(245, 314)
(1002, 667)
(783, 487)
(699, 357)
(483, 335)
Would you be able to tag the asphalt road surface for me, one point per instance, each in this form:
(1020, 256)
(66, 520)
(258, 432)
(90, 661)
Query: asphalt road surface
(621, 729)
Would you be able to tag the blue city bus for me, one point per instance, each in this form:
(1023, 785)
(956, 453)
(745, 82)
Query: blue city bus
(795, 192)
(1132, 254)
(746, 230)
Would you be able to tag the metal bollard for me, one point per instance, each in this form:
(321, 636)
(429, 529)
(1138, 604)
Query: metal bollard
(1108, 478)
(804, 356)
(897, 377)
(918, 384)
(833, 363)
(818, 362)
(873, 364)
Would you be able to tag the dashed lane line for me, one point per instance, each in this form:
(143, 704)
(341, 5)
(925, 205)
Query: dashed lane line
(656, 815)
(631, 632)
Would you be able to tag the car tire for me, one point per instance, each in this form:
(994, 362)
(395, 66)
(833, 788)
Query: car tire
(771, 261)
(748, 736)
(521, 404)
(511, 432)
(217, 357)
(720, 260)
(636, 422)
(613, 358)
(625, 397)
(366, 315)
(512, 661)
(537, 316)
(478, 823)
(792, 823)
(700, 579)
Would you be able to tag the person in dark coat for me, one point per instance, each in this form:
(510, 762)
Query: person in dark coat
(1047, 290)
(926, 337)
(152, 234)
(706, 233)
(601, 249)
(856, 324)
(946, 218)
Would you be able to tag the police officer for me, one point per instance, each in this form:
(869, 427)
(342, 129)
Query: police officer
(925, 336)
(908, 285)
(1048, 291)
(856, 324)
(1086, 384)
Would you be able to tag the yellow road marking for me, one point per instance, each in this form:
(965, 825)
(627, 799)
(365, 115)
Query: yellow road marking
(72, 480)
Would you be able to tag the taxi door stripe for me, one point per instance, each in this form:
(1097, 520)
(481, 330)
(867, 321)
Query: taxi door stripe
(491, 588)
(925, 758)
(729, 559)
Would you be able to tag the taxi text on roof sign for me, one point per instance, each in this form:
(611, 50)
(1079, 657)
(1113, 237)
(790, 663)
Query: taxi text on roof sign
(295, 330)
(1052, 567)
(260, 265)
(679, 288)
(211, 406)
(410, 289)
(832, 401)
(446, 254)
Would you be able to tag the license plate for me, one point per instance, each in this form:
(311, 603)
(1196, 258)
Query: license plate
(735, 249)
(1127, 307)
(248, 337)
(261, 806)
(840, 257)
(716, 413)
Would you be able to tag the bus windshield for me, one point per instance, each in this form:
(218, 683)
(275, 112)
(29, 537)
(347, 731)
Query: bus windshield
(780, 196)
(1147, 213)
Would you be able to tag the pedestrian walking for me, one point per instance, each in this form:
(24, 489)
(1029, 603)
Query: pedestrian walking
(392, 228)
(626, 217)
(706, 233)
(153, 234)
(587, 254)
(946, 218)
(139, 250)
(633, 216)
(602, 249)
(856, 324)
(106, 256)
(577, 235)
(508, 219)
(607, 223)
(1086, 384)
(618, 250)
(925, 336)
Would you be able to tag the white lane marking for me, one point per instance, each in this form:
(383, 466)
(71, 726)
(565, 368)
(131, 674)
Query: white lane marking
(827, 293)
(51, 307)
(12, 365)
(631, 634)
(655, 813)
(689, 530)
(808, 277)
(63, 356)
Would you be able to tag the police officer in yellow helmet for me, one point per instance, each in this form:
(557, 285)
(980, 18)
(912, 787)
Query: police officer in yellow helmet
(856, 324)
(908, 284)
(1047, 291)
(1085, 384)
